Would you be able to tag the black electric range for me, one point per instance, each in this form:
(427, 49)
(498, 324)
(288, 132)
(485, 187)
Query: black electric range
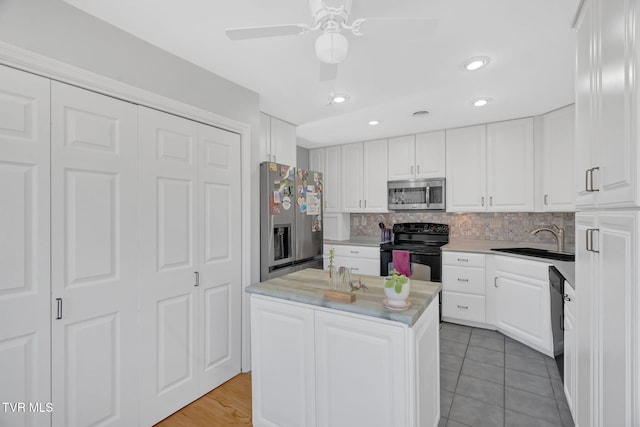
(423, 241)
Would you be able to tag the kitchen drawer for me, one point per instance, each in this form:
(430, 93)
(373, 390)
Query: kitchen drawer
(463, 279)
(463, 307)
(463, 259)
(370, 252)
(358, 265)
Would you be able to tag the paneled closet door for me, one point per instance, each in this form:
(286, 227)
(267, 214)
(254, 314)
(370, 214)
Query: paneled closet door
(25, 284)
(168, 181)
(219, 233)
(94, 258)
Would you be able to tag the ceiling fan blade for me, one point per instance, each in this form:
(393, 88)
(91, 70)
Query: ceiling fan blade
(328, 71)
(398, 28)
(266, 31)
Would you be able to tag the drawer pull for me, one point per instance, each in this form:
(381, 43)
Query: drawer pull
(464, 307)
(463, 259)
(462, 280)
(354, 252)
(355, 269)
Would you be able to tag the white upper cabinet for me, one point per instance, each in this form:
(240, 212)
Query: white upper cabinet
(417, 156)
(364, 181)
(374, 186)
(510, 166)
(332, 179)
(316, 160)
(607, 155)
(466, 169)
(430, 155)
(556, 171)
(277, 140)
(490, 168)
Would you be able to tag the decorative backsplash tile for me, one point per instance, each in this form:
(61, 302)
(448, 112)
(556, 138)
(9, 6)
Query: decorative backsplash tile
(514, 226)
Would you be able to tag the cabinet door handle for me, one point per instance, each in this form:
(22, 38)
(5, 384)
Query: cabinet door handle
(197, 278)
(589, 240)
(464, 307)
(495, 282)
(59, 308)
(481, 200)
(588, 180)
(365, 204)
(359, 203)
(463, 259)
(490, 200)
(418, 169)
(546, 199)
(462, 280)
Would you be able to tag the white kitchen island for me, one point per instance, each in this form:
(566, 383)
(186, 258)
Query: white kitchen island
(317, 362)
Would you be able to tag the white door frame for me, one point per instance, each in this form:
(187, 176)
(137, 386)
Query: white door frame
(28, 61)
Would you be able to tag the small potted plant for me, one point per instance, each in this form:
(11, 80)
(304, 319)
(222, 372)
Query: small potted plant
(396, 289)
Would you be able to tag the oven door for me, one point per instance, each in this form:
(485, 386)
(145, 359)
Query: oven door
(428, 267)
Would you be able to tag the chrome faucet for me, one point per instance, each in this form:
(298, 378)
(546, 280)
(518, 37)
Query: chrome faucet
(556, 231)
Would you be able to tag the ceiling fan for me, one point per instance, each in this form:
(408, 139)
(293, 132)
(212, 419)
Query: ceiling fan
(332, 46)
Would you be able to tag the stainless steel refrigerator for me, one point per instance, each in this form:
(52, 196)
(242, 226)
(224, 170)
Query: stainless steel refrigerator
(290, 220)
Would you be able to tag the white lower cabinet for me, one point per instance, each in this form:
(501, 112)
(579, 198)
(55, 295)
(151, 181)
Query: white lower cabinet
(506, 293)
(607, 321)
(463, 288)
(283, 364)
(570, 354)
(318, 367)
(357, 358)
(360, 259)
(519, 302)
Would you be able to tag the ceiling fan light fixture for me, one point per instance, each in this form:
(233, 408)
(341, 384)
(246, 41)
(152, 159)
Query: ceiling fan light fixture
(475, 63)
(331, 47)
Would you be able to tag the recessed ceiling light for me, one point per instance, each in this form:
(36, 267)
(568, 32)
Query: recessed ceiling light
(481, 102)
(420, 113)
(373, 122)
(338, 98)
(475, 63)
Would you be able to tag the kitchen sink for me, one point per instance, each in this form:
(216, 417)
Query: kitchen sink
(539, 253)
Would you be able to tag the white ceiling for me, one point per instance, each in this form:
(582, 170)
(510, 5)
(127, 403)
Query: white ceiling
(530, 43)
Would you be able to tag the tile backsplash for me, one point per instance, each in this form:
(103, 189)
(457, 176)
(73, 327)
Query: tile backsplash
(513, 226)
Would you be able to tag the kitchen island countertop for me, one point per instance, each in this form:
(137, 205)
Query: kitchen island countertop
(308, 286)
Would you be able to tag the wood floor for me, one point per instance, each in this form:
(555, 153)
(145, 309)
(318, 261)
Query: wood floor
(227, 405)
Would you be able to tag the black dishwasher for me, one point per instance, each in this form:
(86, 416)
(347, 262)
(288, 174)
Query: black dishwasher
(556, 288)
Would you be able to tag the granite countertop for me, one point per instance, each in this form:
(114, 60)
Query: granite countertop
(308, 286)
(356, 241)
(566, 268)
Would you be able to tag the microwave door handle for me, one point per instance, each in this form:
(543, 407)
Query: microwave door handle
(428, 195)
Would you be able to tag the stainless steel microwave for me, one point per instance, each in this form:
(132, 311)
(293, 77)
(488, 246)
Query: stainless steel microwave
(416, 194)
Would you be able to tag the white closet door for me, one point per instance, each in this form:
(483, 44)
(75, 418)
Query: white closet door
(94, 258)
(168, 249)
(220, 287)
(25, 285)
